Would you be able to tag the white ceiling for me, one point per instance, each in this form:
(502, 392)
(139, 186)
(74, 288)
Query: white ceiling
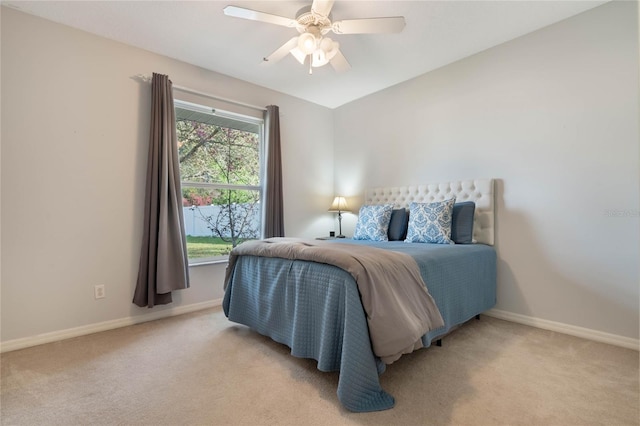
(437, 33)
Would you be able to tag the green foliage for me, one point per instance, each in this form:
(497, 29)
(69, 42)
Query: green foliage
(214, 154)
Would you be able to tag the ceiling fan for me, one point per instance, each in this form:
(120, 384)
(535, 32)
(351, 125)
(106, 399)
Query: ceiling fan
(313, 23)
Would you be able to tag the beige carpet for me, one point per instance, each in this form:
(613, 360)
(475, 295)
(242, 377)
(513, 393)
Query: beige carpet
(200, 369)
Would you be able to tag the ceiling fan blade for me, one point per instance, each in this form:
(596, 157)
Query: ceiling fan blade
(369, 25)
(322, 7)
(254, 15)
(339, 62)
(281, 52)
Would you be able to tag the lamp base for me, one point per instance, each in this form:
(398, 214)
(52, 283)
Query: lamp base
(340, 236)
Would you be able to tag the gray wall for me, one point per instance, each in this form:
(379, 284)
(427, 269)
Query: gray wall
(553, 116)
(75, 136)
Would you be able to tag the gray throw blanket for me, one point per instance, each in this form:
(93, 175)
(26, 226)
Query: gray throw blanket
(398, 306)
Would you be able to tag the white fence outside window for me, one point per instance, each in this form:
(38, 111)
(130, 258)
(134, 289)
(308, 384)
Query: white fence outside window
(196, 226)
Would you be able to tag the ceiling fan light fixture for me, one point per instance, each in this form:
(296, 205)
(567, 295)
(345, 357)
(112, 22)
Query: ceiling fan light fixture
(307, 43)
(326, 51)
(318, 58)
(326, 44)
(330, 48)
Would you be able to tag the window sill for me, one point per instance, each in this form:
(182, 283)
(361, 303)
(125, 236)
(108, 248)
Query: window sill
(209, 262)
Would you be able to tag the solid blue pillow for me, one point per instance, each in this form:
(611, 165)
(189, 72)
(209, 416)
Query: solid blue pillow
(373, 223)
(462, 222)
(398, 225)
(430, 222)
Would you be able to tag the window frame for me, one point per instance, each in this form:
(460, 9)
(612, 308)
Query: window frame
(259, 122)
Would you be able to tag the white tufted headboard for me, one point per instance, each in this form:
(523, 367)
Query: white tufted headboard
(479, 191)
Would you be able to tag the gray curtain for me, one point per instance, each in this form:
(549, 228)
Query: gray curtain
(164, 266)
(273, 200)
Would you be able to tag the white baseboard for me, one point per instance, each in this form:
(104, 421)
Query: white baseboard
(54, 336)
(572, 330)
(586, 333)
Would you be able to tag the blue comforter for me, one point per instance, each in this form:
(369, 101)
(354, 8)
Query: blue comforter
(315, 308)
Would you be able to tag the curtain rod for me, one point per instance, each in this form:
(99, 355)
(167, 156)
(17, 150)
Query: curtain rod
(147, 79)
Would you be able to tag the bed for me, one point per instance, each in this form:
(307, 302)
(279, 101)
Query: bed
(318, 309)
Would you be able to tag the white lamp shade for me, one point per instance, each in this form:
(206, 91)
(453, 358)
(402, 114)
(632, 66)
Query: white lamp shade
(318, 58)
(307, 43)
(339, 205)
(327, 49)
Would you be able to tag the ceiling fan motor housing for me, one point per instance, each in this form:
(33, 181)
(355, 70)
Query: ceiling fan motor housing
(306, 19)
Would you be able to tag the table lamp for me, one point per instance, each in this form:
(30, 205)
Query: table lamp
(339, 205)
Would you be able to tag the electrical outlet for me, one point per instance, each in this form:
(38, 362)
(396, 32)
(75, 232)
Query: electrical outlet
(99, 291)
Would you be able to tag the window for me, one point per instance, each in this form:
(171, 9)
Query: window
(220, 158)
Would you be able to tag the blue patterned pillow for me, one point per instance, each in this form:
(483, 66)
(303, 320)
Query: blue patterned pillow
(373, 223)
(430, 222)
